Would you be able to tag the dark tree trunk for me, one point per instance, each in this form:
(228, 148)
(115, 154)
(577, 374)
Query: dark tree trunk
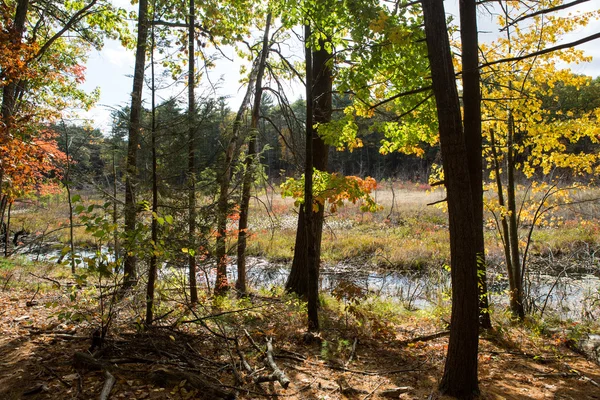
(474, 141)
(130, 270)
(460, 372)
(240, 285)
(309, 232)
(191, 157)
(153, 270)
(10, 89)
(297, 281)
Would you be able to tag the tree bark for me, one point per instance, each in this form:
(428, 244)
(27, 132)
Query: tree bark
(10, 89)
(297, 281)
(130, 211)
(240, 285)
(309, 232)
(460, 372)
(153, 270)
(474, 141)
(191, 157)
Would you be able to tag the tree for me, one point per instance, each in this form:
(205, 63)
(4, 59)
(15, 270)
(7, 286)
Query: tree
(191, 147)
(519, 133)
(474, 140)
(321, 82)
(460, 371)
(251, 160)
(129, 267)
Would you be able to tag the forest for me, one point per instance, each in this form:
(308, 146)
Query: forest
(402, 201)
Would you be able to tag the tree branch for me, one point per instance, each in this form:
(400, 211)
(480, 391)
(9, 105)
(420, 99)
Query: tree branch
(544, 51)
(544, 11)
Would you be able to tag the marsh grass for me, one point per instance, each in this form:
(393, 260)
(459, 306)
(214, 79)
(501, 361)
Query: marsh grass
(406, 234)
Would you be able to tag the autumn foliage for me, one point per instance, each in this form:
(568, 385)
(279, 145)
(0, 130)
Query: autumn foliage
(334, 189)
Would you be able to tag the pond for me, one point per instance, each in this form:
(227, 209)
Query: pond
(566, 296)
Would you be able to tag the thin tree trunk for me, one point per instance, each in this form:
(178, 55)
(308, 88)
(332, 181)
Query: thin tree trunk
(115, 209)
(505, 231)
(222, 284)
(460, 372)
(310, 249)
(513, 229)
(153, 270)
(191, 157)
(67, 183)
(474, 141)
(130, 269)
(240, 285)
(7, 233)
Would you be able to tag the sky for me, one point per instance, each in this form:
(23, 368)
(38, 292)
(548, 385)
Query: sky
(111, 69)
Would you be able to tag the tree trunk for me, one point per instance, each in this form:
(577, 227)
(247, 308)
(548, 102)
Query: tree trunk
(7, 232)
(513, 237)
(312, 258)
(474, 141)
(460, 372)
(240, 285)
(130, 270)
(514, 303)
(297, 281)
(67, 183)
(153, 268)
(10, 89)
(115, 210)
(191, 158)
(222, 284)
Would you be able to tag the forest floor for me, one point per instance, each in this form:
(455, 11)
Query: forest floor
(367, 348)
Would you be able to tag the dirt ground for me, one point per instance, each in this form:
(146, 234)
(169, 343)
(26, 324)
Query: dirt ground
(37, 353)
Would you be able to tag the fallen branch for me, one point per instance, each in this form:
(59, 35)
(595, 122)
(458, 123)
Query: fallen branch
(253, 343)
(108, 385)
(352, 352)
(373, 391)
(277, 375)
(557, 375)
(425, 338)
(57, 283)
(61, 380)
